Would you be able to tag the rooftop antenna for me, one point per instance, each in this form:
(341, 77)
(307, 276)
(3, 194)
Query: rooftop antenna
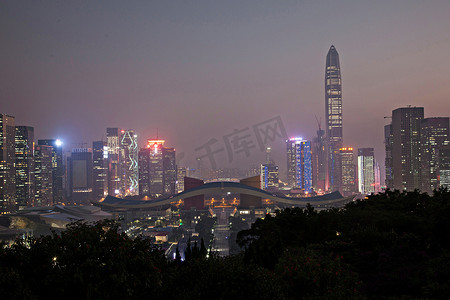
(157, 134)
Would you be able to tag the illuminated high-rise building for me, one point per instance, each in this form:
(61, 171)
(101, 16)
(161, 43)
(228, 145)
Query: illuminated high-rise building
(444, 166)
(377, 178)
(169, 171)
(333, 116)
(100, 170)
(389, 181)
(128, 159)
(43, 175)
(113, 144)
(144, 172)
(24, 144)
(80, 170)
(299, 164)
(434, 134)
(157, 169)
(346, 173)
(181, 173)
(269, 173)
(7, 161)
(366, 171)
(58, 168)
(405, 148)
(269, 176)
(319, 161)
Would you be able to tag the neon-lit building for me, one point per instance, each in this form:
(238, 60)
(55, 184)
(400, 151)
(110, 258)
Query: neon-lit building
(155, 167)
(299, 164)
(269, 176)
(24, 166)
(128, 160)
(366, 171)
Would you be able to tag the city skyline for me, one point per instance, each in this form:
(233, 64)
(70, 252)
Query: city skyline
(235, 64)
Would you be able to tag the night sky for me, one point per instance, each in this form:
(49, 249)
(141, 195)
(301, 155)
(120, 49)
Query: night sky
(198, 70)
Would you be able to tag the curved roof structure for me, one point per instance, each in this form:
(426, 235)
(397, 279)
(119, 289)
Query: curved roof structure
(334, 199)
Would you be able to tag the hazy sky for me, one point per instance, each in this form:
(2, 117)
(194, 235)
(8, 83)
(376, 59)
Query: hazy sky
(198, 70)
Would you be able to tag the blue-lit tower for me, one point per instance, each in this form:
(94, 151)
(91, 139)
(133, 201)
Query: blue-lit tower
(299, 164)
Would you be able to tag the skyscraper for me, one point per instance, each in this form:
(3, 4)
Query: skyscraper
(80, 169)
(366, 171)
(144, 172)
(299, 164)
(346, 167)
(333, 115)
(319, 161)
(128, 159)
(269, 173)
(58, 169)
(389, 182)
(169, 171)
(434, 134)
(100, 170)
(24, 166)
(269, 176)
(444, 166)
(406, 122)
(7, 161)
(43, 175)
(113, 141)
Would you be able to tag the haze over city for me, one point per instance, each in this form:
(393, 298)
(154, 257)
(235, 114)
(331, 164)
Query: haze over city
(198, 70)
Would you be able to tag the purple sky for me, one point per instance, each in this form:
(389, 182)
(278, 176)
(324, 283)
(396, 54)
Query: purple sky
(200, 69)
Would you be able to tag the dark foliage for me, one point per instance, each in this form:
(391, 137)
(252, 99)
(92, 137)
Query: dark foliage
(391, 246)
(397, 244)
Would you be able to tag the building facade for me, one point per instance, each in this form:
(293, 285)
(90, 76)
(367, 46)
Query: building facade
(366, 171)
(347, 172)
(434, 134)
(444, 166)
(100, 170)
(169, 171)
(7, 162)
(389, 180)
(24, 143)
(157, 169)
(299, 164)
(319, 161)
(128, 159)
(43, 175)
(406, 162)
(269, 176)
(113, 144)
(333, 116)
(80, 169)
(58, 168)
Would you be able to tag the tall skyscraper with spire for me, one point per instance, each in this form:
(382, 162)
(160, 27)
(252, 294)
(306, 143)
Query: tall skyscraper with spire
(333, 116)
